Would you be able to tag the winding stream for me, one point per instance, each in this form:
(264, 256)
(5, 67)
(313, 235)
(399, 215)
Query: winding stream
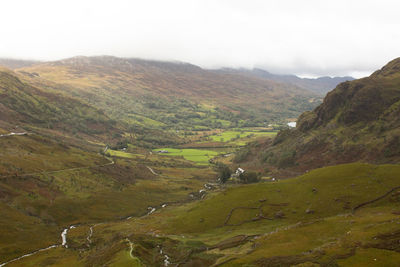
(64, 234)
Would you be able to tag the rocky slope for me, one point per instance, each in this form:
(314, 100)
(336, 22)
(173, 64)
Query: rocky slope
(358, 121)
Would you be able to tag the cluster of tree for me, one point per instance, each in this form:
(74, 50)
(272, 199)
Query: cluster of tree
(224, 173)
(249, 177)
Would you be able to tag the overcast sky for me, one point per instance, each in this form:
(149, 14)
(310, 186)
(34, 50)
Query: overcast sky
(305, 37)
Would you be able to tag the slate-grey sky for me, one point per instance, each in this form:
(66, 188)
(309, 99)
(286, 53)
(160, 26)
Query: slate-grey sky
(306, 37)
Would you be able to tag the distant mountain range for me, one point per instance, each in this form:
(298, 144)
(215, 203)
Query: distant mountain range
(321, 85)
(170, 93)
(148, 94)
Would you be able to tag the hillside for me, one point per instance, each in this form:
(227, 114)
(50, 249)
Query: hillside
(320, 85)
(30, 107)
(358, 121)
(172, 94)
(83, 188)
(335, 216)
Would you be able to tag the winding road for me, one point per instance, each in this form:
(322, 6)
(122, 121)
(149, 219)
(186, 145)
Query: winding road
(152, 171)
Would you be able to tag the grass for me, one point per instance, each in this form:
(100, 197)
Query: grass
(239, 138)
(330, 226)
(123, 154)
(27, 154)
(372, 257)
(329, 235)
(337, 188)
(123, 258)
(200, 156)
(35, 208)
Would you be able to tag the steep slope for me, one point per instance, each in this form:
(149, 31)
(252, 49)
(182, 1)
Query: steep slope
(358, 121)
(320, 85)
(172, 94)
(31, 107)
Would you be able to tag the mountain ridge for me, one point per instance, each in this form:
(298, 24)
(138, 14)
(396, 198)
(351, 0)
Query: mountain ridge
(357, 121)
(320, 85)
(142, 83)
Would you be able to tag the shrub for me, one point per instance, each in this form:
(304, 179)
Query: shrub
(286, 159)
(249, 177)
(242, 155)
(224, 172)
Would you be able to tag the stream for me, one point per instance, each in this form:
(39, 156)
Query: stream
(64, 234)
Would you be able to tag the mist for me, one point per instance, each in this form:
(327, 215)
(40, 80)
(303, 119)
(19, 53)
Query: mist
(307, 38)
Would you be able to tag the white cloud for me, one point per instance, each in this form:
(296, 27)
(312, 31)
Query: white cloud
(308, 37)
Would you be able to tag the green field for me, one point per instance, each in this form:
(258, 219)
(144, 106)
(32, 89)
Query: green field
(239, 137)
(122, 154)
(200, 156)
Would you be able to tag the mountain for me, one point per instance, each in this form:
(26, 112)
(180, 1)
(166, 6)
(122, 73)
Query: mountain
(358, 121)
(320, 85)
(16, 63)
(171, 94)
(69, 199)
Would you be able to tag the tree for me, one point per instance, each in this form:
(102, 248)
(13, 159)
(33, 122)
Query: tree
(249, 177)
(224, 172)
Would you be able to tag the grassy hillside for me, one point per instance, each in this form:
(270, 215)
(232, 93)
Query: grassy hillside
(359, 120)
(171, 95)
(47, 185)
(32, 107)
(311, 220)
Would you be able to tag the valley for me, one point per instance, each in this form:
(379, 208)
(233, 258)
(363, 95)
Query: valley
(108, 161)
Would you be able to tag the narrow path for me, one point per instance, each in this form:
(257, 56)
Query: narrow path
(152, 171)
(29, 254)
(58, 171)
(12, 134)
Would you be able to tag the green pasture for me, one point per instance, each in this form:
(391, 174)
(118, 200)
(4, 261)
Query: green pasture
(239, 137)
(200, 156)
